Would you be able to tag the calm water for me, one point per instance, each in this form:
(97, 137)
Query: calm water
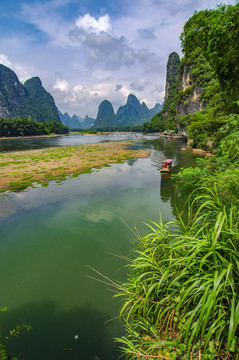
(49, 235)
(66, 140)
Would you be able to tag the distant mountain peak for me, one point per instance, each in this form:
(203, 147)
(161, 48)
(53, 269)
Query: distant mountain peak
(106, 115)
(132, 98)
(35, 79)
(133, 113)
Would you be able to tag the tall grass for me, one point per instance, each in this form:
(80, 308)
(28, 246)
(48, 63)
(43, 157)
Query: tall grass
(181, 300)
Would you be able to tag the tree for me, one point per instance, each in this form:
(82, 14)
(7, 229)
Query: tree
(216, 32)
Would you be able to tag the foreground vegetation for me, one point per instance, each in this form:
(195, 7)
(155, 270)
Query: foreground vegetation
(181, 300)
(18, 170)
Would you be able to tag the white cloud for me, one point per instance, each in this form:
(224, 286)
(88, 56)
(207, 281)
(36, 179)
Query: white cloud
(21, 71)
(61, 85)
(5, 61)
(89, 24)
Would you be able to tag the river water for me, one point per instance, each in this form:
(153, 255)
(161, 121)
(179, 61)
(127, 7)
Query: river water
(50, 235)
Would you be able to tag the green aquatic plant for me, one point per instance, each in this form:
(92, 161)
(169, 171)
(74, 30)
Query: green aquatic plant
(181, 300)
(12, 333)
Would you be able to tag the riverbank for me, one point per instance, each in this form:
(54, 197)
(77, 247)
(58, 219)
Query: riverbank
(19, 170)
(198, 151)
(31, 136)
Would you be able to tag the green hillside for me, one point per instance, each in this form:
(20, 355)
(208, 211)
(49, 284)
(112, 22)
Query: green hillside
(43, 108)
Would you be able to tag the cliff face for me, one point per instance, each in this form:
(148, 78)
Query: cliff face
(165, 119)
(189, 96)
(172, 76)
(14, 98)
(106, 115)
(193, 93)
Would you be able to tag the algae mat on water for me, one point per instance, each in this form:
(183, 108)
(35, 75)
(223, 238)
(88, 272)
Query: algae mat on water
(18, 170)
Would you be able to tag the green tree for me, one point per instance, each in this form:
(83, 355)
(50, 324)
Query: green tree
(216, 32)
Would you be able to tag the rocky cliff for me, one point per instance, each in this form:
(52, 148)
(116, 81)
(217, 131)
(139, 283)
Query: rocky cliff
(196, 87)
(166, 119)
(173, 65)
(14, 98)
(190, 88)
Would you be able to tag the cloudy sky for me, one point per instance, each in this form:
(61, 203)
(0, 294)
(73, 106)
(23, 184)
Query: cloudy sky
(86, 51)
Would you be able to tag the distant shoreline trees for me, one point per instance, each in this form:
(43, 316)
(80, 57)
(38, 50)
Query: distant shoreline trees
(27, 127)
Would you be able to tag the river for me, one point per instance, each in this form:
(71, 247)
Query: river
(50, 235)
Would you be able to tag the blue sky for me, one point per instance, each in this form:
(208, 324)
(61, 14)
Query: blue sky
(86, 51)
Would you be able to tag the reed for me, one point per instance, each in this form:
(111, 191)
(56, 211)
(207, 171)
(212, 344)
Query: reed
(181, 300)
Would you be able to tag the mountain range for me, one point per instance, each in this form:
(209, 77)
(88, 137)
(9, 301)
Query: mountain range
(75, 121)
(132, 113)
(31, 100)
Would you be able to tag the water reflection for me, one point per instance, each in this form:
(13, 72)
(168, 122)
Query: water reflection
(19, 144)
(70, 343)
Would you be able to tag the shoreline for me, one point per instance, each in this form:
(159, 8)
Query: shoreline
(21, 169)
(31, 136)
(198, 151)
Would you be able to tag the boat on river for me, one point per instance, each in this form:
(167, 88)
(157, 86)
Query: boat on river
(167, 165)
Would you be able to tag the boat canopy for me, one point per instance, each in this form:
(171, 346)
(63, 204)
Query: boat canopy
(168, 161)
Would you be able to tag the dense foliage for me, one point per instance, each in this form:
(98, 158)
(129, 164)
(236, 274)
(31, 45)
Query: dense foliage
(221, 170)
(210, 45)
(28, 127)
(127, 128)
(216, 33)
